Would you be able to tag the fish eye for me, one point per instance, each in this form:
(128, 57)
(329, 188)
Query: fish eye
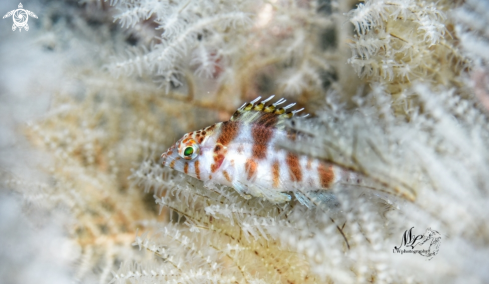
(189, 150)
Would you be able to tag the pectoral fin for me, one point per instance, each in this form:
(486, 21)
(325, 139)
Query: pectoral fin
(311, 199)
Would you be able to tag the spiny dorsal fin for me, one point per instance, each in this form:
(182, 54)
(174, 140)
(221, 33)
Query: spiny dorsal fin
(268, 114)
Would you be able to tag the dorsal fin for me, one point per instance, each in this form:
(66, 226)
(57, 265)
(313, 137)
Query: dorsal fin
(269, 115)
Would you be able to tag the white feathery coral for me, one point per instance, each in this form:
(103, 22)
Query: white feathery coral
(413, 136)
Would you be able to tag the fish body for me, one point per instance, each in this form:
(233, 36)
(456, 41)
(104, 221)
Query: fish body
(242, 153)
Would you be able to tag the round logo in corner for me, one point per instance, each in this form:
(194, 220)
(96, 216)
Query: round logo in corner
(20, 17)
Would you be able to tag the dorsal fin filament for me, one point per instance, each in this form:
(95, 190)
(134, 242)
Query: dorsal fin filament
(259, 106)
(262, 107)
(289, 106)
(296, 111)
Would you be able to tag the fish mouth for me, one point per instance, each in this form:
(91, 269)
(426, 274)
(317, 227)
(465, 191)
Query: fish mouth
(168, 159)
(162, 160)
(167, 156)
(165, 159)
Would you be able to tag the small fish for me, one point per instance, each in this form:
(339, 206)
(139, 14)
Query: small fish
(242, 153)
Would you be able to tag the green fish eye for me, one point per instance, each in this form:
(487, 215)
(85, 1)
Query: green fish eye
(188, 151)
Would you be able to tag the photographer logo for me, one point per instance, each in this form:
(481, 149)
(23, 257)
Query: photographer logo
(426, 245)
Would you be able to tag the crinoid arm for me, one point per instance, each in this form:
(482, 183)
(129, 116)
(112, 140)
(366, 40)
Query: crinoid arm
(31, 14)
(26, 27)
(14, 27)
(9, 14)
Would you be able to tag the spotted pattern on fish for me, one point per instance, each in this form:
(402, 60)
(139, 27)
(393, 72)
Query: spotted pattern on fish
(276, 174)
(242, 153)
(326, 175)
(197, 169)
(250, 168)
(226, 176)
(229, 131)
(295, 170)
(261, 137)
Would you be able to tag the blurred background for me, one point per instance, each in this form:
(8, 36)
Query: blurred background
(95, 91)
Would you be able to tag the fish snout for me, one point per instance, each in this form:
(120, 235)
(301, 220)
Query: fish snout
(168, 156)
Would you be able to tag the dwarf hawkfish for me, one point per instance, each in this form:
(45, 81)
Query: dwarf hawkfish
(242, 153)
